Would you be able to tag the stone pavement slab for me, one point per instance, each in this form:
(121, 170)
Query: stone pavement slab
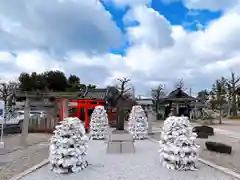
(223, 129)
(228, 133)
(143, 165)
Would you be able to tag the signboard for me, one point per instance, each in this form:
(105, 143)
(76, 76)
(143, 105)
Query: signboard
(2, 112)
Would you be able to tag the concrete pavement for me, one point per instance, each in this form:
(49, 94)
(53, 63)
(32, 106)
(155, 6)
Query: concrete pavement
(142, 165)
(228, 128)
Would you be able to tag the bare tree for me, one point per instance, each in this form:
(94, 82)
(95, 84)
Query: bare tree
(156, 95)
(180, 85)
(122, 86)
(233, 85)
(203, 96)
(6, 91)
(218, 94)
(116, 97)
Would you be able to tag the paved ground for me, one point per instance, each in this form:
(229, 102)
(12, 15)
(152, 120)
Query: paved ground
(15, 159)
(228, 124)
(229, 128)
(225, 134)
(143, 165)
(12, 141)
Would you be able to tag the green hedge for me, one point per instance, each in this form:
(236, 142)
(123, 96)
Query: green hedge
(234, 117)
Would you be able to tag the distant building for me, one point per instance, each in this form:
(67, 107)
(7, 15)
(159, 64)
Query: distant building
(145, 103)
(80, 104)
(178, 103)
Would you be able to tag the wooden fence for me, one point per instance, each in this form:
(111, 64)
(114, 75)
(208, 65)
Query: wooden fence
(42, 125)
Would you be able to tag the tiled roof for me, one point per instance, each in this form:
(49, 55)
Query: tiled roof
(179, 94)
(95, 94)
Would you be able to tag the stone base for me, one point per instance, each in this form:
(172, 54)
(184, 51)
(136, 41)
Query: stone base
(150, 133)
(120, 142)
(2, 145)
(113, 147)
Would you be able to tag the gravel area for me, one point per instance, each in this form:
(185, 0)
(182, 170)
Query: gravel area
(228, 161)
(17, 160)
(143, 165)
(156, 136)
(12, 141)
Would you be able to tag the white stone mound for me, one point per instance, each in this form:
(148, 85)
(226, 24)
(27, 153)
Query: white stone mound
(178, 150)
(138, 123)
(68, 147)
(99, 123)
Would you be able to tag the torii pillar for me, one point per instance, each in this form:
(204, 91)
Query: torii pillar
(63, 109)
(151, 118)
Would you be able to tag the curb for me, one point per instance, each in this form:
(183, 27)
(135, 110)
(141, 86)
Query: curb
(220, 168)
(208, 163)
(30, 170)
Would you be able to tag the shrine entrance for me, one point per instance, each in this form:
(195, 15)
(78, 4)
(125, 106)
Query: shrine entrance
(178, 103)
(85, 109)
(82, 109)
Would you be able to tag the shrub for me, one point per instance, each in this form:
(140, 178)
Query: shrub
(234, 117)
(205, 129)
(202, 135)
(218, 147)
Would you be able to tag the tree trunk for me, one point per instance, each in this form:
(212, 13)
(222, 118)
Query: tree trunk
(120, 117)
(121, 120)
(234, 101)
(234, 105)
(229, 108)
(117, 116)
(6, 112)
(156, 106)
(220, 118)
(170, 107)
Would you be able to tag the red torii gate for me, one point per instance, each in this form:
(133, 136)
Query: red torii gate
(81, 104)
(87, 104)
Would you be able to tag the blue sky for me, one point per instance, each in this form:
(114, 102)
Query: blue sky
(150, 41)
(175, 12)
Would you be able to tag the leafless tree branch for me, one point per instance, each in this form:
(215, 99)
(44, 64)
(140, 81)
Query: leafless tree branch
(180, 84)
(6, 90)
(156, 92)
(122, 85)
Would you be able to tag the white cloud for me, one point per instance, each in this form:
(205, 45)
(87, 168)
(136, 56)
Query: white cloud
(35, 61)
(6, 57)
(159, 53)
(57, 26)
(148, 18)
(212, 5)
(198, 57)
(221, 34)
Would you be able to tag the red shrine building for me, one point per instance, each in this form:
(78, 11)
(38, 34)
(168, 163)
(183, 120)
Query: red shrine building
(70, 104)
(83, 106)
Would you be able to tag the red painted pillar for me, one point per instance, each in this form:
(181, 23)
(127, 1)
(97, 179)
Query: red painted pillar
(61, 110)
(79, 110)
(86, 117)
